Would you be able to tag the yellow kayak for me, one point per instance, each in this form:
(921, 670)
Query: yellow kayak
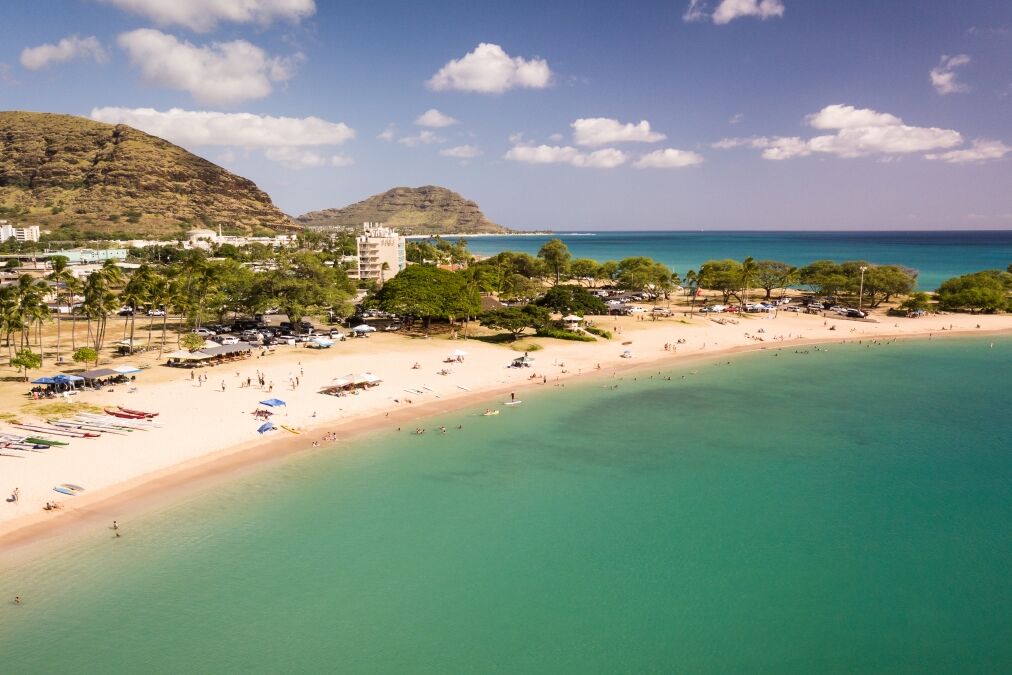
(290, 429)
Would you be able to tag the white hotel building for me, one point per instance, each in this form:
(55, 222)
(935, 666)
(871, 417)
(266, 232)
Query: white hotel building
(380, 246)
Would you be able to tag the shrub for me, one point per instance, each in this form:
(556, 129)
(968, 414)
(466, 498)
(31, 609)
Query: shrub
(563, 334)
(600, 332)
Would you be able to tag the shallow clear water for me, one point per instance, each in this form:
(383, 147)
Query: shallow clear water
(937, 256)
(840, 511)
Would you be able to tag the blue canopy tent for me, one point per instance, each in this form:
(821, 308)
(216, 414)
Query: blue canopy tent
(265, 427)
(44, 380)
(273, 402)
(60, 379)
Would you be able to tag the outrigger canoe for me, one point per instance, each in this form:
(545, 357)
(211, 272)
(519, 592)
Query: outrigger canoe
(138, 412)
(125, 415)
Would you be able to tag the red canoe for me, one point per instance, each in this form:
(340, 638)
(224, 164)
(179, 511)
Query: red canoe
(137, 412)
(124, 415)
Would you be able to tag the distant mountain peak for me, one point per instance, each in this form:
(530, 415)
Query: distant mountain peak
(429, 209)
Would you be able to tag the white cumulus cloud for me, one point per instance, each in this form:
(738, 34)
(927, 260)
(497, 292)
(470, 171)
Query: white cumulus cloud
(838, 116)
(668, 158)
(434, 119)
(859, 132)
(424, 137)
(727, 11)
(197, 128)
(220, 74)
(305, 158)
(604, 131)
(606, 158)
(943, 76)
(204, 15)
(490, 70)
(980, 150)
(462, 152)
(67, 49)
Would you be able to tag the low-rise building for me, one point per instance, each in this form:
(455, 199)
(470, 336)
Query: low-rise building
(8, 231)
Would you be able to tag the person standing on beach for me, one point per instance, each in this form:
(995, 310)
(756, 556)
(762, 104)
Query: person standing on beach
(513, 396)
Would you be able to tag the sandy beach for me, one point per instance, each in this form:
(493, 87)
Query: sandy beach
(207, 430)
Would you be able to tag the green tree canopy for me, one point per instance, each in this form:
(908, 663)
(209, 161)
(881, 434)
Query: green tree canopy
(428, 292)
(978, 292)
(515, 319)
(567, 299)
(192, 341)
(556, 255)
(26, 360)
(771, 274)
(85, 355)
(720, 275)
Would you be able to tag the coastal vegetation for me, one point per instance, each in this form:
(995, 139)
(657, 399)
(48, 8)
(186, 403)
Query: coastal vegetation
(987, 291)
(186, 288)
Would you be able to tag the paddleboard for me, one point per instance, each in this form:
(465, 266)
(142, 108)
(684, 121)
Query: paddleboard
(460, 386)
(65, 491)
(71, 486)
(290, 429)
(512, 402)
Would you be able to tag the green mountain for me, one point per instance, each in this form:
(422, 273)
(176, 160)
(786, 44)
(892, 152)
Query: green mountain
(72, 174)
(424, 210)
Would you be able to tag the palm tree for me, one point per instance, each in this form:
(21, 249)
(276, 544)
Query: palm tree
(32, 310)
(692, 281)
(60, 278)
(748, 271)
(10, 318)
(134, 295)
(72, 286)
(99, 301)
(161, 294)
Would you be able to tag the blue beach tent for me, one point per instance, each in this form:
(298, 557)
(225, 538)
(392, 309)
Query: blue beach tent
(265, 427)
(273, 402)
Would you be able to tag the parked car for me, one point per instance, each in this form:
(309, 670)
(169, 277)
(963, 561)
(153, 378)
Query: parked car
(156, 312)
(126, 311)
(856, 314)
(229, 340)
(337, 335)
(204, 332)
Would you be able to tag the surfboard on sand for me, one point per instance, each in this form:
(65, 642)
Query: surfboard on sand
(512, 402)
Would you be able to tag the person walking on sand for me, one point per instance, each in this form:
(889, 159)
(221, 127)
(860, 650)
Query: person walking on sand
(115, 525)
(16, 494)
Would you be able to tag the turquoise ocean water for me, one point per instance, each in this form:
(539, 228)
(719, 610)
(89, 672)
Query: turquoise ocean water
(936, 255)
(837, 511)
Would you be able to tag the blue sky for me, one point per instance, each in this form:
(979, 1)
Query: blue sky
(705, 114)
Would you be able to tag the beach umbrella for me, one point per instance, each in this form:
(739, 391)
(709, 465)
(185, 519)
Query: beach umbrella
(273, 402)
(265, 427)
(44, 380)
